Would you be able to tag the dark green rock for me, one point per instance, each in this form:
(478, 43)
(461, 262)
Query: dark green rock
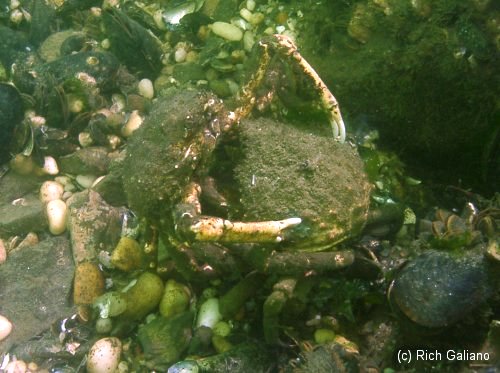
(164, 340)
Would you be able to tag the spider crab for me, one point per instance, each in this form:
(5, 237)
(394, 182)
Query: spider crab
(295, 189)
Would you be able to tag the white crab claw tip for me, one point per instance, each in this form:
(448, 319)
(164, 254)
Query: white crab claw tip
(292, 221)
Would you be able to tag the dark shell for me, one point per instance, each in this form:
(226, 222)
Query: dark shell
(437, 289)
(11, 114)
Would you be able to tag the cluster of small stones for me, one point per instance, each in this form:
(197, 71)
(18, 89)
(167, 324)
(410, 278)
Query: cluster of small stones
(254, 21)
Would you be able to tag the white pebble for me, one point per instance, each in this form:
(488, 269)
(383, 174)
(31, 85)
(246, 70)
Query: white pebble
(251, 5)
(85, 181)
(50, 166)
(85, 139)
(104, 356)
(51, 190)
(209, 314)
(146, 89)
(57, 212)
(14, 4)
(227, 31)
(3, 252)
(133, 123)
(180, 55)
(5, 327)
(106, 43)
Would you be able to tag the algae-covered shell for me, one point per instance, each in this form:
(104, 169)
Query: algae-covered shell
(438, 289)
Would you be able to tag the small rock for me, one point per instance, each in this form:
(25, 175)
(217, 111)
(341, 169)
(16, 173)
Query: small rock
(22, 217)
(35, 284)
(92, 160)
(92, 224)
(227, 31)
(104, 356)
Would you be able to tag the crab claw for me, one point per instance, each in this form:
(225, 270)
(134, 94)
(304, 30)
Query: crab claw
(209, 228)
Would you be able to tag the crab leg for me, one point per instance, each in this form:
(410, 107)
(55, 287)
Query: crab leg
(210, 228)
(328, 101)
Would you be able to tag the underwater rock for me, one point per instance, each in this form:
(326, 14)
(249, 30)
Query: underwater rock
(438, 289)
(92, 224)
(164, 340)
(26, 215)
(14, 186)
(144, 296)
(93, 160)
(35, 284)
(88, 284)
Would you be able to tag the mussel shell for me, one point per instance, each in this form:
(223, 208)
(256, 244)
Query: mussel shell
(11, 114)
(437, 288)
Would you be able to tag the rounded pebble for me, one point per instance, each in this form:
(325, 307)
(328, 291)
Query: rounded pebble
(5, 327)
(50, 166)
(133, 123)
(146, 89)
(227, 31)
(180, 55)
(85, 181)
(104, 356)
(50, 191)
(57, 213)
(209, 313)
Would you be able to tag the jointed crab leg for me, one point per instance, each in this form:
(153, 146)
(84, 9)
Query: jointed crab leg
(286, 46)
(328, 101)
(211, 228)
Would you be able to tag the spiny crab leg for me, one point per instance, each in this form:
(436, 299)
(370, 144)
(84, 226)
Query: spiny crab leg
(210, 228)
(328, 100)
